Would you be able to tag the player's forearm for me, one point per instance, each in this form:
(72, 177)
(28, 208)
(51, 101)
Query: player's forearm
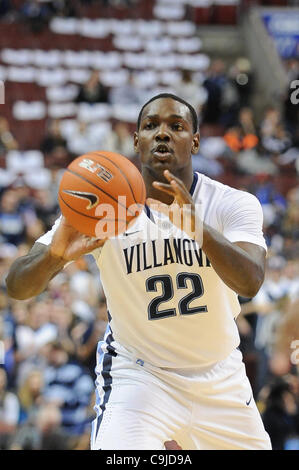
(30, 274)
(234, 266)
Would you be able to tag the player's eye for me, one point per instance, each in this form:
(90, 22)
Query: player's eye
(149, 125)
(177, 126)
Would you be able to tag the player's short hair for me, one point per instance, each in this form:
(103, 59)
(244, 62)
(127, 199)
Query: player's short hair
(176, 98)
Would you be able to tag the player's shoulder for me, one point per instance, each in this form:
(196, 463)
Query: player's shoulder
(208, 184)
(223, 192)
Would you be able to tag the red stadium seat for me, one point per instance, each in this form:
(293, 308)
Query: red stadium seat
(225, 12)
(202, 12)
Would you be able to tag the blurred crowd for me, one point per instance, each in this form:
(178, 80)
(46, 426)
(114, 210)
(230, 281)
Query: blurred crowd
(47, 380)
(36, 14)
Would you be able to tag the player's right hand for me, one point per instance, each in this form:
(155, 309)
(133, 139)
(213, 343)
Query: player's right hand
(68, 244)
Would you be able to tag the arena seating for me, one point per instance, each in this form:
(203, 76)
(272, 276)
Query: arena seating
(42, 71)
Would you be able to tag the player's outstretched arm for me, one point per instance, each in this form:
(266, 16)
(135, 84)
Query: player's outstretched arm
(29, 275)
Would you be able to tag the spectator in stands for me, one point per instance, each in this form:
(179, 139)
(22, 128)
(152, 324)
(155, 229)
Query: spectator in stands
(269, 324)
(214, 84)
(33, 333)
(36, 14)
(18, 221)
(87, 334)
(62, 317)
(222, 104)
(7, 326)
(12, 222)
(230, 104)
(286, 347)
(30, 395)
(53, 137)
(243, 142)
(206, 161)
(292, 68)
(278, 142)
(42, 432)
(5, 7)
(290, 222)
(120, 140)
(237, 140)
(127, 94)
(52, 434)
(246, 121)
(281, 417)
(192, 92)
(9, 411)
(242, 77)
(246, 322)
(93, 91)
(86, 139)
(59, 158)
(118, 3)
(272, 201)
(64, 8)
(290, 278)
(270, 121)
(69, 386)
(270, 304)
(77, 312)
(83, 441)
(10, 319)
(46, 207)
(7, 140)
(83, 283)
(8, 252)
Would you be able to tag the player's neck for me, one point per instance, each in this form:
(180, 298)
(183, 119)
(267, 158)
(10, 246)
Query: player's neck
(186, 175)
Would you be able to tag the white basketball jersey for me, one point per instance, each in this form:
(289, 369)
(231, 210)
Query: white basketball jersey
(167, 306)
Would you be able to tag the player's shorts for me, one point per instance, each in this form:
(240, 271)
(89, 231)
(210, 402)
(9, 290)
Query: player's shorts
(140, 407)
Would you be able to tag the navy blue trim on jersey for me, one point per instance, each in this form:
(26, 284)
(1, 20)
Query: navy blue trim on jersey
(194, 182)
(110, 338)
(106, 369)
(149, 213)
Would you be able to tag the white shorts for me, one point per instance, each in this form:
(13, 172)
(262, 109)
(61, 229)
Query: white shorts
(140, 407)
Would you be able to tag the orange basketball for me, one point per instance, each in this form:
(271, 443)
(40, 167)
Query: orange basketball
(100, 193)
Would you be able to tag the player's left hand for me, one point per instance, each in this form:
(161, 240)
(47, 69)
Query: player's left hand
(182, 212)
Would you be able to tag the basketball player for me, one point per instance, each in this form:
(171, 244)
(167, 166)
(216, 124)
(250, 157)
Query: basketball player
(169, 368)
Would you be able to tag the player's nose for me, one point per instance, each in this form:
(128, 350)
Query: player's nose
(162, 134)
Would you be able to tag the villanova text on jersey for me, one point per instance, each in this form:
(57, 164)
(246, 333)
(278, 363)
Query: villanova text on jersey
(146, 255)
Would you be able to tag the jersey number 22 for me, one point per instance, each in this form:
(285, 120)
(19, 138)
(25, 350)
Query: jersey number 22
(166, 283)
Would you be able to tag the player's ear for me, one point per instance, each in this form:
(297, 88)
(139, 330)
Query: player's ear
(136, 142)
(195, 143)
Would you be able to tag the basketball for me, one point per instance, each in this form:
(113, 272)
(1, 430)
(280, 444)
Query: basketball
(100, 193)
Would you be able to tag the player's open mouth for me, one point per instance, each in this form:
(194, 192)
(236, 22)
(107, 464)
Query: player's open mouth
(162, 152)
